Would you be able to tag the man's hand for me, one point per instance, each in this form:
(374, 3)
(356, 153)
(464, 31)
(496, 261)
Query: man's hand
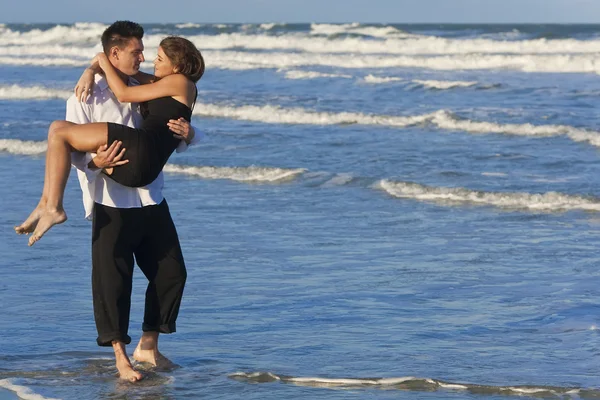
(183, 130)
(108, 157)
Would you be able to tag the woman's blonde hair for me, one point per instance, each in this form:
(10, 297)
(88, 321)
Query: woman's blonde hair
(184, 56)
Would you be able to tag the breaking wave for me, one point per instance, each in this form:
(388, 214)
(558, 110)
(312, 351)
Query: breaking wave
(547, 202)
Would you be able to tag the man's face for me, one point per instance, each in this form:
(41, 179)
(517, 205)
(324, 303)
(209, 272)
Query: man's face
(128, 60)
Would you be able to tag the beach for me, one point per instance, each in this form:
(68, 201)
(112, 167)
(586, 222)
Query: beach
(377, 210)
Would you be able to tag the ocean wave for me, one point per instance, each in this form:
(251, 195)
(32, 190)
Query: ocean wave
(547, 202)
(357, 29)
(378, 40)
(16, 92)
(526, 63)
(54, 51)
(23, 392)
(45, 61)
(296, 74)
(442, 119)
(414, 384)
(271, 25)
(81, 32)
(543, 202)
(271, 114)
(236, 60)
(188, 25)
(23, 147)
(442, 85)
(241, 174)
(381, 79)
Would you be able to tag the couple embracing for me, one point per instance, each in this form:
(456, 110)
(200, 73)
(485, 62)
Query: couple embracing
(122, 182)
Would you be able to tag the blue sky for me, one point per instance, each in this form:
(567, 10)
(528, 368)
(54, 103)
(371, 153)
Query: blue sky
(384, 11)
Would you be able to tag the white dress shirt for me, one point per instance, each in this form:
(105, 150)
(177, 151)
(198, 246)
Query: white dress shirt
(102, 106)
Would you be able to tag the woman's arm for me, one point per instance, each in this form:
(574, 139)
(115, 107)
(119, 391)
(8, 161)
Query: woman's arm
(173, 85)
(144, 78)
(85, 84)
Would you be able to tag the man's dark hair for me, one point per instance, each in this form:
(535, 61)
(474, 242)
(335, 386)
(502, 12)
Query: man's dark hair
(119, 34)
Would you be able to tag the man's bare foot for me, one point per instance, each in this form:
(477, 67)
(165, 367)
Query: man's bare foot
(31, 222)
(48, 219)
(126, 370)
(153, 357)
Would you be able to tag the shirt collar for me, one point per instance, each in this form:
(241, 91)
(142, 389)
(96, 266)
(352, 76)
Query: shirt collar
(102, 83)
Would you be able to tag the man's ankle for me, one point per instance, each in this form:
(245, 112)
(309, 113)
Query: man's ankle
(148, 341)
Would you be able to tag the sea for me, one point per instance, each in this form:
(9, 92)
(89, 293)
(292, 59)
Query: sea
(376, 211)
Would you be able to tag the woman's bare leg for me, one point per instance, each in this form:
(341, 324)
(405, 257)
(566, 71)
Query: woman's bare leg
(63, 138)
(31, 222)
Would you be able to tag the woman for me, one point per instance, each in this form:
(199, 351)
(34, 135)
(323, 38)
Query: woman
(177, 68)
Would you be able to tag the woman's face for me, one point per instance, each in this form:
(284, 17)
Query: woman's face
(162, 65)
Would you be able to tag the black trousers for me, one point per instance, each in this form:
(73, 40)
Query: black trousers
(149, 235)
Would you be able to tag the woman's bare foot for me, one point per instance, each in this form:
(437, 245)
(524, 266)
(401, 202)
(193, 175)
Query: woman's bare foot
(31, 222)
(47, 220)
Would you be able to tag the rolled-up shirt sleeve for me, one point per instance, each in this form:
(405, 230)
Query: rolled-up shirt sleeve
(80, 113)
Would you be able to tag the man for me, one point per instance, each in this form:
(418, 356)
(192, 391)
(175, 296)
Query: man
(127, 222)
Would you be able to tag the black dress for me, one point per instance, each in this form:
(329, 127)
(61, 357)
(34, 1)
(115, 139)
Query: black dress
(150, 146)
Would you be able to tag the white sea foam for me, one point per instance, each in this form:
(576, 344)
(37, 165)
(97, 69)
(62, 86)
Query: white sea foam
(22, 147)
(442, 119)
(493, 174)
(79, 33)
(296, 74)
(23, 392)
(357, 28)
(242, 174)
(44, 61)
(441, 85)
(51, 50)
(188, 25)
(404, 383)
(242, 60)
(278, 115)
(381, 79)
(16, 92)
(389, 40)
(527, 63)
(271, 25)
(547, 202)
